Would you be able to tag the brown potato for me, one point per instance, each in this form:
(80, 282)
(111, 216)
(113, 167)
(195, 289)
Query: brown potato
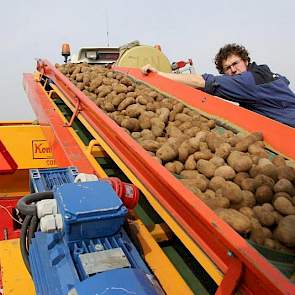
(232, 192)
(284, 185)
(150, 145)
(285, 231)
(235, 219)
(166, 153)
(206, 168)
(264, 216)
(284, 206)
(263, 194)
(226, 172)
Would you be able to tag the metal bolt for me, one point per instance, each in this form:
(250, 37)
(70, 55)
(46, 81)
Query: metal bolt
(98, 247)
(230, 253)
(67, 216)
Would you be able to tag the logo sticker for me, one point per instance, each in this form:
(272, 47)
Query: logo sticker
(41, 149)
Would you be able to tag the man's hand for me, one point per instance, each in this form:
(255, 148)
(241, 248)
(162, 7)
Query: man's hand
(148, 69)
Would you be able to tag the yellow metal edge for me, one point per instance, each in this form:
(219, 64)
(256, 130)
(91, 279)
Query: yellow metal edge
(153, 254)
(15, 277)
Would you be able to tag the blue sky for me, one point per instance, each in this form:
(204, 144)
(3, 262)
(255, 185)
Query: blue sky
(185, 29)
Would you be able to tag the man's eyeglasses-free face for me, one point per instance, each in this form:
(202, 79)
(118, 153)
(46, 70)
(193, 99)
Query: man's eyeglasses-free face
(227, 69)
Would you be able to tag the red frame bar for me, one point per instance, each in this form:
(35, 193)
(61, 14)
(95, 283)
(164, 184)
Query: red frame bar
(7, 163)
(214, 236)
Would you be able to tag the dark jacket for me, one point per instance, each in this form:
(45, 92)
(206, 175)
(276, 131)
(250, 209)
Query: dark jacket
(257, 89)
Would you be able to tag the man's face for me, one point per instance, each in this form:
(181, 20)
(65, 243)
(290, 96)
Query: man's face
(234, 65)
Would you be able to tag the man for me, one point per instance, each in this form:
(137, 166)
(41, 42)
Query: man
(253, 86)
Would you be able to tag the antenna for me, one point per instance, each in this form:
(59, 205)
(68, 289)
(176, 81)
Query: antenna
(107, 25)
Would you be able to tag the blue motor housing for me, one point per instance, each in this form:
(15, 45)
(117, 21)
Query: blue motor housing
(92, 254)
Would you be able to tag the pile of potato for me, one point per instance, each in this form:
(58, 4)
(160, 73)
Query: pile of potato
(232, 173)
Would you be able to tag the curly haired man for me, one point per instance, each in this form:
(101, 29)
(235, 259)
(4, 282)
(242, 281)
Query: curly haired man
(253, 86)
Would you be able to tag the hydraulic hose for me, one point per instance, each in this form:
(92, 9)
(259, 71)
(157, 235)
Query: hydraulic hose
(24, 204)
(32, 229)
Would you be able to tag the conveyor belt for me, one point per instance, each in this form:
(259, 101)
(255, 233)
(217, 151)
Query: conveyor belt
(232, 254)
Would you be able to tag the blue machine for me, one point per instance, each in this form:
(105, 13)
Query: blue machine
(92, 254)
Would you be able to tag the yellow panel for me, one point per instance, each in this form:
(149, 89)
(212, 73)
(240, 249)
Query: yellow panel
(15, 278)
(27, 145)
(138, 56)
(168, 276)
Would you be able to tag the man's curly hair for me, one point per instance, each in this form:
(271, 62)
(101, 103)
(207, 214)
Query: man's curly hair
(228, 50)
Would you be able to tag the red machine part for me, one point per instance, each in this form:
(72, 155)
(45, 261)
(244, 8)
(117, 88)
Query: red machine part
(128, 192)
(213, 235)
(8, 226)
(7, 163)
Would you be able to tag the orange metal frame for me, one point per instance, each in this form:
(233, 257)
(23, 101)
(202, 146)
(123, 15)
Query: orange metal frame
(231, 253)
(7, 163)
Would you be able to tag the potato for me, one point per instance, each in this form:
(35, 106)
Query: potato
(163, 114)
(213, 140)
(285, 231)
(264, 216)
(215, 203)
(264, 180)
(278, 161)
(157, 126)
(257, 150)
(173, 131)
(249, 184)
(198, 183)
(192, 132)
(226, 172)
(232, 192)
(268, 207)
(240, 177)
(245, 142)
(258, 236)
(117, 99)
(166, 153)
(284, 206)
(189, 174)
(286, 172)
(144, 99)
(131, 124)
(206, 168)
(205, 155)
(240, 162)
(147, 134)
(235, 219)
(150, 145)
(217, 161)
(185, 126)
(184, 150)
(223, 150)
(248, 200)
(216, 183)
(134, 110)
(263, 194)
(174, 167)
(125, 103)
(284, 185)
(190, 163)
(278, 217)
(247, 212)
